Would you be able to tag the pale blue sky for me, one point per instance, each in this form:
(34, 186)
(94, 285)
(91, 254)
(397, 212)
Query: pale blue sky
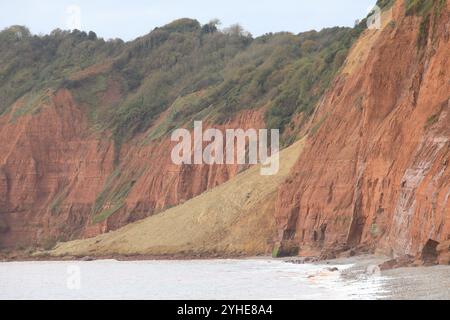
(132, 18)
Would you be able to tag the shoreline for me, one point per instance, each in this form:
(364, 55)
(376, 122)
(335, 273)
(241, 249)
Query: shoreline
(38, 256)
(43, 256)
(351, 278)
(299, 260)
(262, 277)
(383, 263)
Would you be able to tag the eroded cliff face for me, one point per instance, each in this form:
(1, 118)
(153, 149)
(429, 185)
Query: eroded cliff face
(157, 183)
(234, 219)
(60, 179)
(85, 123)
(375, 171)
(373, 174)
(43, 158)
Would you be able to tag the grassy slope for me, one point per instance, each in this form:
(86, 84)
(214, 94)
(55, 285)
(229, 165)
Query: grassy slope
(234, 218)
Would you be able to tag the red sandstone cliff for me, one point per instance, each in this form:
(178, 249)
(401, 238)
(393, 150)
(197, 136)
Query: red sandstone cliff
(54, 168)
(375, 171)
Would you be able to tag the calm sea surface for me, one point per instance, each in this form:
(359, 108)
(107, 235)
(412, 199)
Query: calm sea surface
(210, 279)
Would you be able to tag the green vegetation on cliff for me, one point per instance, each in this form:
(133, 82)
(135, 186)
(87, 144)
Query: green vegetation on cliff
(189, 70)
(32, 63)
(429, 10)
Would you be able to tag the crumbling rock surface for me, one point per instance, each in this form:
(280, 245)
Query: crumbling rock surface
(54, 170)
(376, 174)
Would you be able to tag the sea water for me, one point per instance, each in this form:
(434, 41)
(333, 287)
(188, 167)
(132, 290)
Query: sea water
(257, 279)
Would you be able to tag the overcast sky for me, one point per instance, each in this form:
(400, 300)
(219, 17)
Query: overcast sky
(132, 18)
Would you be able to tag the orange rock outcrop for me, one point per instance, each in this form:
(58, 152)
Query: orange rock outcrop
(375, 175)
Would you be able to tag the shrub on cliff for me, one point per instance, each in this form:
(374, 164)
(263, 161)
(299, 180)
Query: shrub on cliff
(230, 70)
